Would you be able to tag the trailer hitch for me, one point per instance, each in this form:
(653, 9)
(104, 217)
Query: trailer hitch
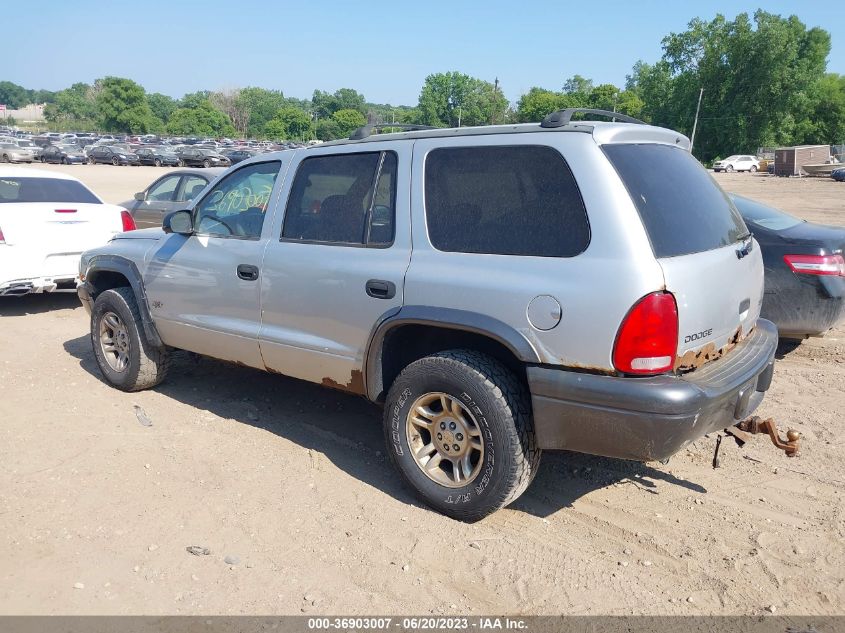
(743, 431)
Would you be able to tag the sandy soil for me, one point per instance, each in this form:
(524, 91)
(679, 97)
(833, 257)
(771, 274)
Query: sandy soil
(96, 509)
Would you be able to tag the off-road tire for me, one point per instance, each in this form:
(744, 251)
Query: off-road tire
(502, 409)
(148, 364)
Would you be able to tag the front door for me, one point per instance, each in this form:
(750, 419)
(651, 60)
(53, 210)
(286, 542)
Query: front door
(203, 289)
(160, 200)
(337, 261)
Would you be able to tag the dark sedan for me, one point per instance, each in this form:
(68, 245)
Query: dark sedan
(805, 270)
(156, 156)
(199, 157)
(62, 155)
(838, 175)
(108, 154)
(237, 155)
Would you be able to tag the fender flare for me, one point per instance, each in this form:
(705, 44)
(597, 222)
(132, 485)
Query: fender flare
(444, 318)
(127, 268)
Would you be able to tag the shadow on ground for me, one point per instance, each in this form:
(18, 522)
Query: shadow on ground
(37, 304)
(347, 430)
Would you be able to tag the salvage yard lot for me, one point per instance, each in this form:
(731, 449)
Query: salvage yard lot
(97, 509)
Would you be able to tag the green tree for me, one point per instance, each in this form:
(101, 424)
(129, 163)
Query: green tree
(757, 75)
(325, 105)
(289, 123)
(327, 129)
(537, 103)
(122, 106)
(13, 95)
(74, 104)
(348, 120)
(448, 99)
(578, 86)
(260, 106)
(162, 106)
(202, 120)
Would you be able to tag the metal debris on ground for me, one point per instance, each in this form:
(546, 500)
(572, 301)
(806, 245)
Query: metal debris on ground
(142, 416)
(196, 550)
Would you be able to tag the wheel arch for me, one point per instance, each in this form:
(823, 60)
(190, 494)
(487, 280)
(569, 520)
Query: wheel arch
(418, 331)
(105, 272)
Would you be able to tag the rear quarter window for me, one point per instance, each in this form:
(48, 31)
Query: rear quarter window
(504, 200)
(683, 210)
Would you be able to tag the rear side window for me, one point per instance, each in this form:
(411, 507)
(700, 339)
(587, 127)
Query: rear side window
(45, 190)
(344, 199)
(504, 200)
(683, 210)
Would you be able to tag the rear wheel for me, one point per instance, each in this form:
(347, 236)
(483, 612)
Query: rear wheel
(181, 163)
(753, 169)
(91, 160)
(6, 158)
(157, 162)
(65, 161)
(458, 427)
(126, 358)
(206, 163)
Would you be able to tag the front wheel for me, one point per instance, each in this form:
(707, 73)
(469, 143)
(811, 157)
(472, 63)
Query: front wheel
(729, 168)
(206, 163)
(65, 161)
(126, 358)
(458, 427)
(181, 163)
(157, 162)
(115, 161)
(91, 160)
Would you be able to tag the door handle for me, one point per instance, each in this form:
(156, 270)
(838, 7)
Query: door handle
(380, 289)
(247, 272)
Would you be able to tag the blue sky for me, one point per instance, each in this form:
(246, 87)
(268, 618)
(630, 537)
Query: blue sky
(382, 49)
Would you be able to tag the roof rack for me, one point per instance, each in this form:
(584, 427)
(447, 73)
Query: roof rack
(366, 130)
(563, 117)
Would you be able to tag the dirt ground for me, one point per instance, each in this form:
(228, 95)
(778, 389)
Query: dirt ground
(291, 482)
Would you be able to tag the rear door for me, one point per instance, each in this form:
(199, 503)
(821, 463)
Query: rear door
(336, 266)
(709, 260)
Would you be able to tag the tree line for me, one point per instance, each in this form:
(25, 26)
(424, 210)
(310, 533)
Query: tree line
(762, 81)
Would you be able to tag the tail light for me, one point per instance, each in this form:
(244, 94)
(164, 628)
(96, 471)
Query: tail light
(128, 222)
(647, 342)
(816, 264)
(65, 210)
(2, 237)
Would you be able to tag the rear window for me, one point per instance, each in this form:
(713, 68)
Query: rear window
(763, 215)
(504, 200)
(44, 190)
(683, 210)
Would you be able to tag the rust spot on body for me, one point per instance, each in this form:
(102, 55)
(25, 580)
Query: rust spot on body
(355, 384)
(693, 359)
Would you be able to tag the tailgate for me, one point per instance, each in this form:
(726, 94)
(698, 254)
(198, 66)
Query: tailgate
(710, 262)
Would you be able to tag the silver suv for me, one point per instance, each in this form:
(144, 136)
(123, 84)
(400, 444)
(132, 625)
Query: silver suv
(501, 290)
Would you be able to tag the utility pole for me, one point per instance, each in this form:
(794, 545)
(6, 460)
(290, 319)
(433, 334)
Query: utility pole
(495, 92)
(695, 123)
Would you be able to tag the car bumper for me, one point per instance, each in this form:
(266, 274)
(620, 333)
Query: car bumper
(83, 291)
(36, 285)
(804, 305)
(647, 419)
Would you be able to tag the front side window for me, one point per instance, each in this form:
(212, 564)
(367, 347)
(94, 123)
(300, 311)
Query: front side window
(344, 199)
(236, 206)
(164, 190)
(504, 200)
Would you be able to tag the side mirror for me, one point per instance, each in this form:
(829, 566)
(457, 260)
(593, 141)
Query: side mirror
(141, 196)
(180, 222)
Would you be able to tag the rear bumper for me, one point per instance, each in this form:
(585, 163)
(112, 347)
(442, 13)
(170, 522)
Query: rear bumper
(35, 285)
(647, 419)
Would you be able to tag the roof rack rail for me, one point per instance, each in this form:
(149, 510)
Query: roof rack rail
(563, 117)
(366, 130)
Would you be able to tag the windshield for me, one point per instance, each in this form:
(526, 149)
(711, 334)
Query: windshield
(27, 189)
(682, 208)
(764, 216)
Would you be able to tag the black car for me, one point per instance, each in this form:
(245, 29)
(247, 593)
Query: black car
(237, 155)
(108, 154)
(804, 269)
(838, 175)
(156, 156)
(62, 155)
(198, 157)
